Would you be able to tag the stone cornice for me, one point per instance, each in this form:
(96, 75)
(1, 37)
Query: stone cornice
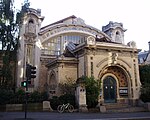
(112, 46)
(106, 46)
(62, 60)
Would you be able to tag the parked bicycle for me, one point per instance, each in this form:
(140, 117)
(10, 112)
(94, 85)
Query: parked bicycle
(63, 107)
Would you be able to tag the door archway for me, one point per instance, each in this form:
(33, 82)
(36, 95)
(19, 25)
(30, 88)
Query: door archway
(109, 88)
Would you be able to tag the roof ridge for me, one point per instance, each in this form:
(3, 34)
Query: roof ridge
(60, 21)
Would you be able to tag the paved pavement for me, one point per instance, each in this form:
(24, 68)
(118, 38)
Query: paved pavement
(74, 116)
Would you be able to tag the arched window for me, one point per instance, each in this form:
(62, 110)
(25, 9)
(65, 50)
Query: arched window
(30, 26)
(31, 21)
(117, 33)
(52, 84)
(117, 37)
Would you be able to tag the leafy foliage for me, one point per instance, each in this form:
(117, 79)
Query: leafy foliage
(67, 90)
(9, 40)
(9, 97)
(63, 99)
(23, 11)
(92, 91)
(145, 93)
(68, 87)
(6, 96)
(144, 71)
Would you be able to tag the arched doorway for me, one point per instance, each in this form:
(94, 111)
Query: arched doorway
(109, 88)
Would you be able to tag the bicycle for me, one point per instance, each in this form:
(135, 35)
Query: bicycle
(63, 107)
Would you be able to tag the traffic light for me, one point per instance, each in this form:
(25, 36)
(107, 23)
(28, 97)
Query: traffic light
(24, 83)
(30, 71)
(33, 72)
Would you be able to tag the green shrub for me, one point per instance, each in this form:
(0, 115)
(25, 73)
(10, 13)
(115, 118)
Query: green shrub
(63, 99)
(9, 97)
(145, 93)
(6, 96)
(37, 97)
(19, 97)
(54, 102)
(34, 97)
(67, 98)
(144, 71)
(92, 91)
(44, 96)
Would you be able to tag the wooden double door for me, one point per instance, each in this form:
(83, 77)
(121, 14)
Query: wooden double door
(110, 89)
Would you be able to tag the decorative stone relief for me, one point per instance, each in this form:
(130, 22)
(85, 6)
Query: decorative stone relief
(30, 28)
(132, 44)
(29, 40)
(112, 58)
(79, 21)
(91, 40)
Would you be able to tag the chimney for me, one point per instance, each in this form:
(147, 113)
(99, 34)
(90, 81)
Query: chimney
(149, 45)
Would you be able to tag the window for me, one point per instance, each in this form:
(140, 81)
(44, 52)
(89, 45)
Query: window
(31, 21)
(56, 46)
(52, 84)
(92, 69)
(117, 37)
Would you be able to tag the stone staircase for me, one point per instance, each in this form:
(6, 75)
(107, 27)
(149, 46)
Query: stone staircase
(116, 107)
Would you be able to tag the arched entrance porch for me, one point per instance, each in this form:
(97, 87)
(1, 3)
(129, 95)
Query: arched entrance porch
(115, 85)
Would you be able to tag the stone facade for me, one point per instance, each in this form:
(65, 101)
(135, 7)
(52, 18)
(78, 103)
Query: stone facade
(69, 49)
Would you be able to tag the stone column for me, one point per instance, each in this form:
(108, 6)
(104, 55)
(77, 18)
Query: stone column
(81, 95)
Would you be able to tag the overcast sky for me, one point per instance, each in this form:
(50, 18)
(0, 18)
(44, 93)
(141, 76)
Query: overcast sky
(134, 14)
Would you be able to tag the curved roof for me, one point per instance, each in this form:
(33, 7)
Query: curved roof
(35, 12)
(68, 25)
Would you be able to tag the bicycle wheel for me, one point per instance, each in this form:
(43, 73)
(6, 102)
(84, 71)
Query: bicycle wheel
(70, 108)
(60, 108)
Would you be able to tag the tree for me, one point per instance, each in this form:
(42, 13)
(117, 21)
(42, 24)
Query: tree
(9, 30)
(145, 93)
(144, 71)
(68, 87)
(92, 91)
(24, 10)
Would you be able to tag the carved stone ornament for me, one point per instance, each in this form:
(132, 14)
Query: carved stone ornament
(91, 40)
(30, 40)
(78, 21)
(112, 58)
(132, 44)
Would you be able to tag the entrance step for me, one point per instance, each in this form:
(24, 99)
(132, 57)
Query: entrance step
(129, 109)
(118, 107)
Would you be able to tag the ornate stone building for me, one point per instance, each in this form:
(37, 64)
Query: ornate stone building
(68, 49)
